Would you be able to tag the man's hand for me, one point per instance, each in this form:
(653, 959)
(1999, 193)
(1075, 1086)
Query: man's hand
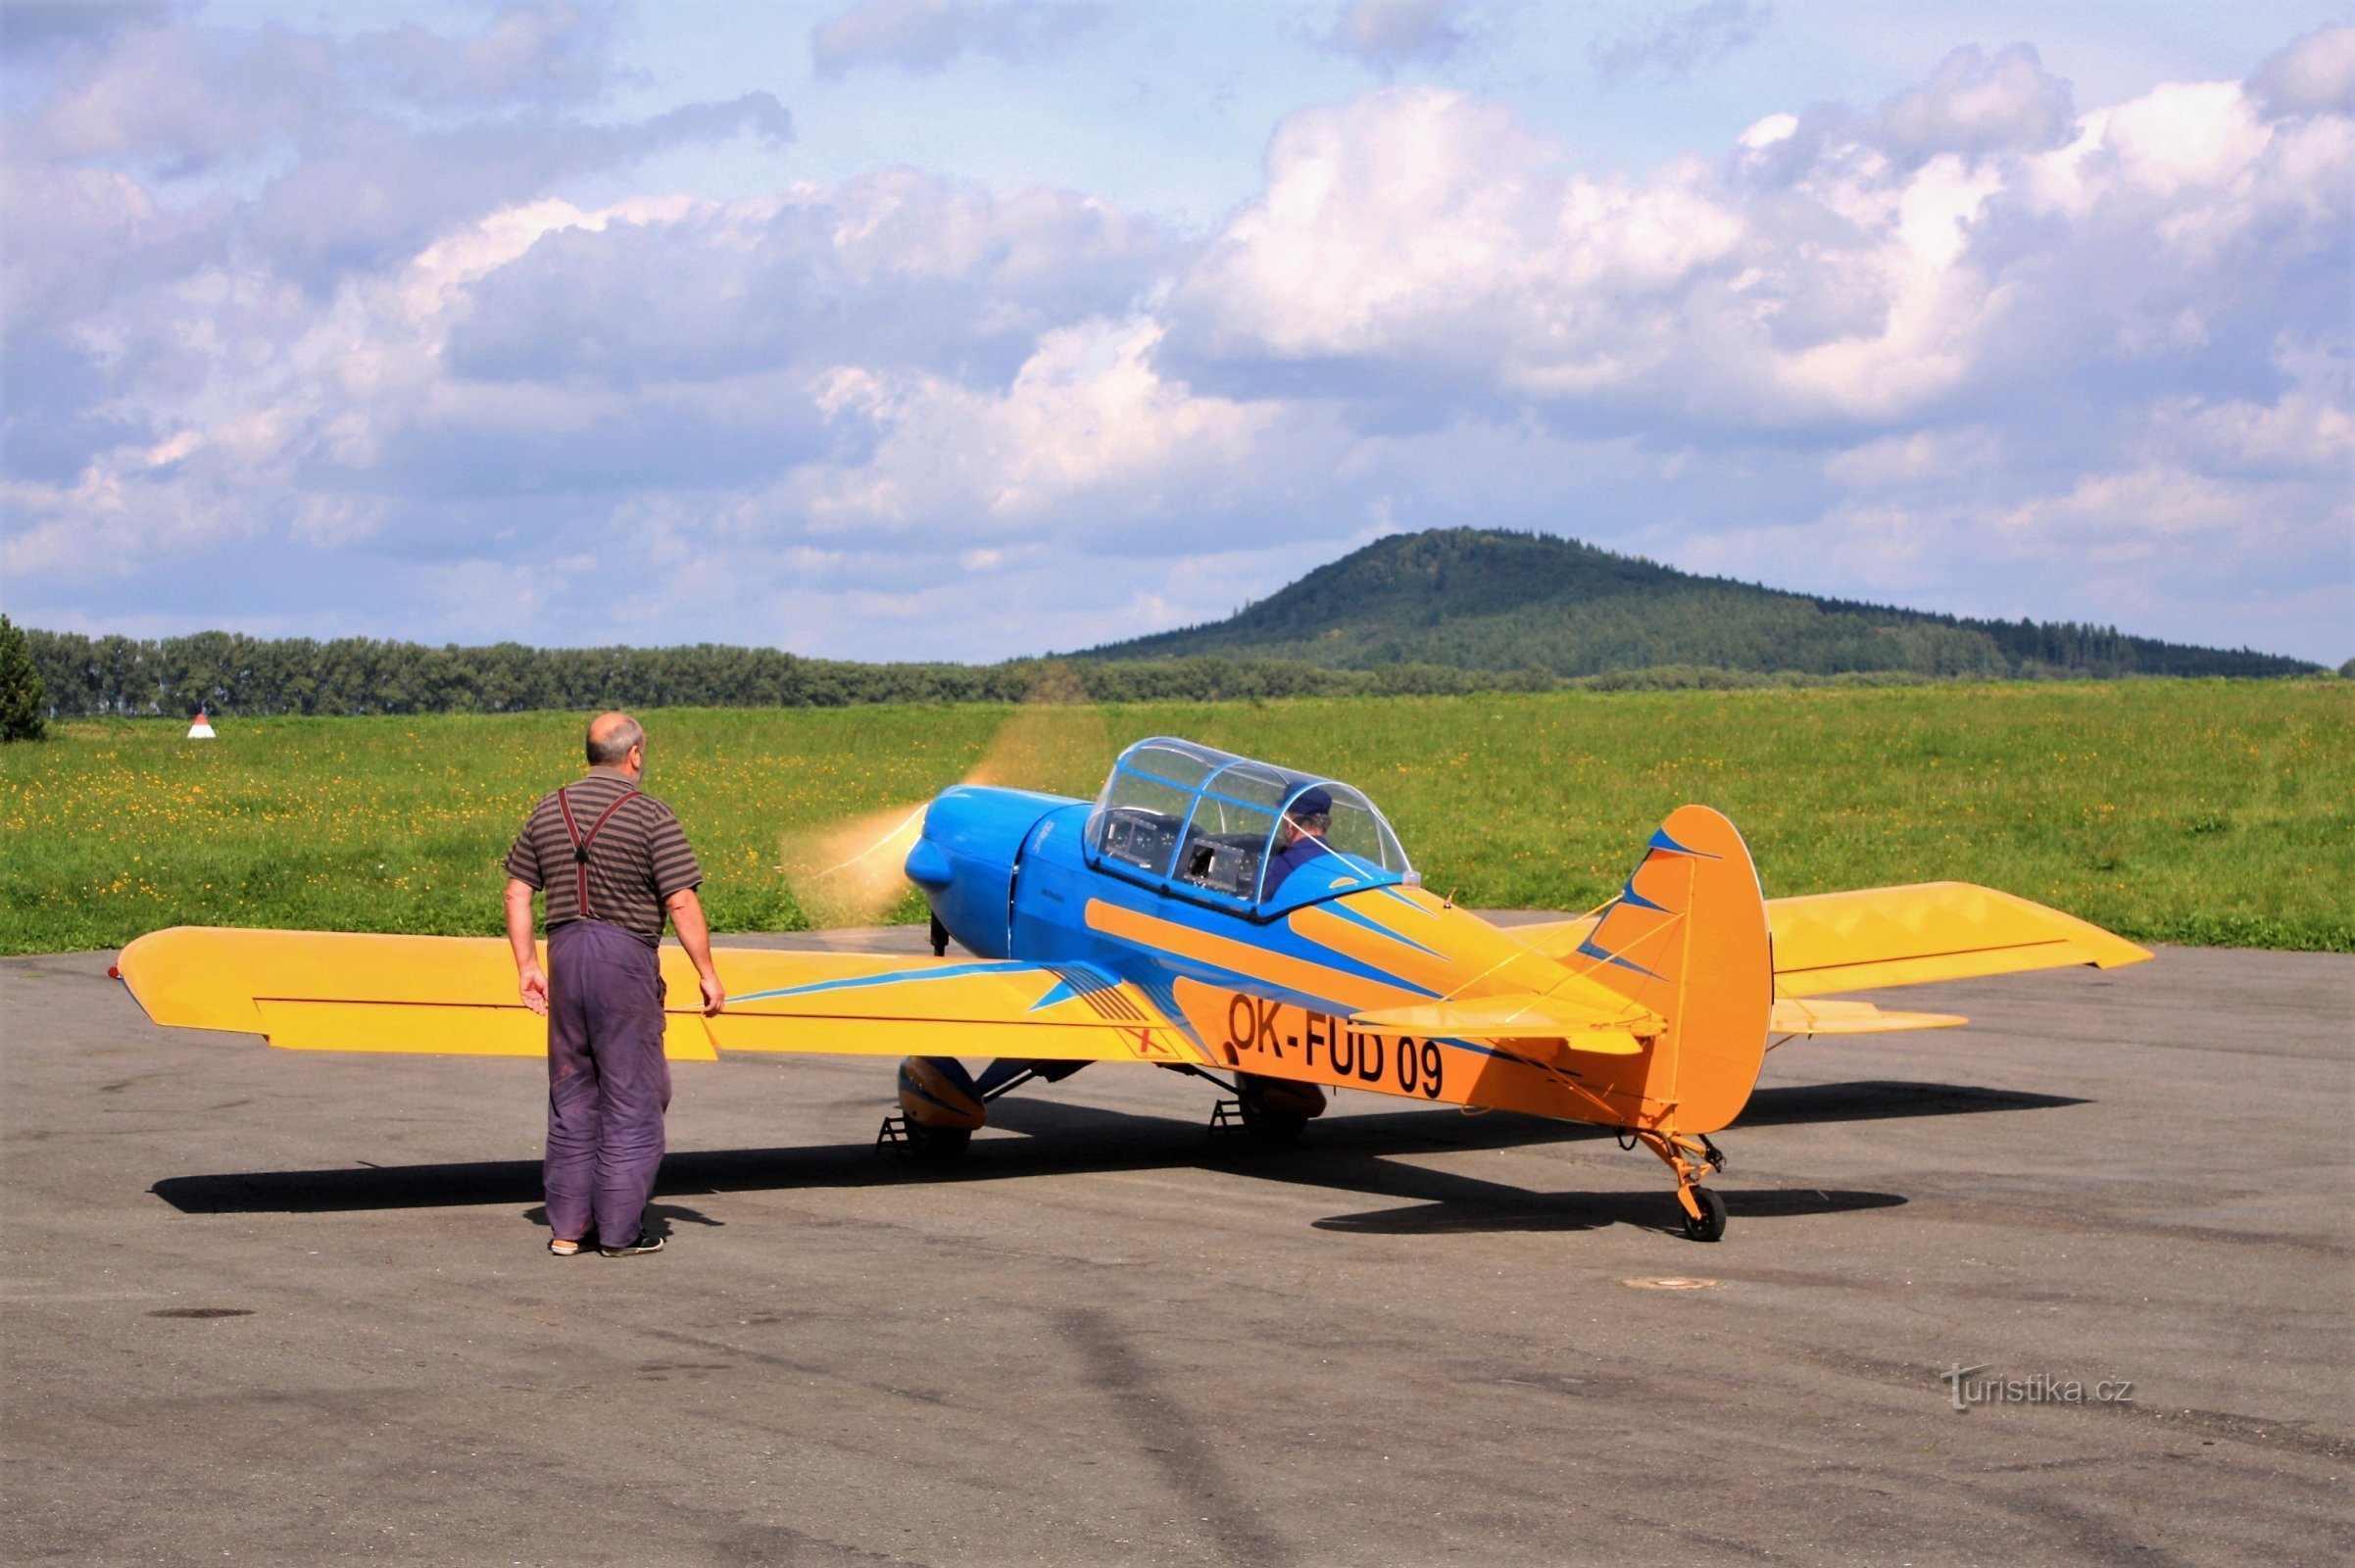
(687, 918)
(530, 982)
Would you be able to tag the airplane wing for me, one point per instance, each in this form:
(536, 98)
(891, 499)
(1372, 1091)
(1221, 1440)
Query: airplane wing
(1928, 931)
(1903, 935)
(332, 991)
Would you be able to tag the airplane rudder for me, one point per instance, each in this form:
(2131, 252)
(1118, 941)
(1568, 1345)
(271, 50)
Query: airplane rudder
(1726, 989)
(1686, 938)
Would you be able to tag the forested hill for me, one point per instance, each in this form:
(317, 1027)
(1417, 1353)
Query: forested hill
(1485, 600)
(1422, 614)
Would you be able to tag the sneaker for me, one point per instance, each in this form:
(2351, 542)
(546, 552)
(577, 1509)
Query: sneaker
(561, 1247)
(643, 1245)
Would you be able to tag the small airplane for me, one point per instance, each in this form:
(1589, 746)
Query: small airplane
(1241, 922)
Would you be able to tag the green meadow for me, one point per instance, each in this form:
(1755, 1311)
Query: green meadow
(2214, 813)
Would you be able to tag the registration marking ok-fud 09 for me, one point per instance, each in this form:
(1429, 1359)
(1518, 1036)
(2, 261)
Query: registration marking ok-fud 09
(1271, 1029)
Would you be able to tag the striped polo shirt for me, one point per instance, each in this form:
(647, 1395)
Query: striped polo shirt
(638, 858)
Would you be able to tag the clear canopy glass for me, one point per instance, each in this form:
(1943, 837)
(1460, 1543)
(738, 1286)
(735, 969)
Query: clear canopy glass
(1207, 825)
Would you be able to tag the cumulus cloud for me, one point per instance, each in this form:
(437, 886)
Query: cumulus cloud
(379, 195)
(1418, 240)
(2314, 75)
(1388, 33)
(1417, 232)
(889, 270)
(1974, 104)
(34, 25)
(300, 335)
(544, 54)
(184, 204)
(177, 101)
(926, 35)
(1680, 43)
(1087, 434)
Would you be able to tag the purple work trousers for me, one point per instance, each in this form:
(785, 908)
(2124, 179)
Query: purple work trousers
(608, 1080)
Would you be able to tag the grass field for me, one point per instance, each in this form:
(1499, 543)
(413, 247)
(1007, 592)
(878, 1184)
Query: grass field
(2192, 812)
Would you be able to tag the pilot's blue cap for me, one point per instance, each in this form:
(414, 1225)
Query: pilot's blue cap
(1312, 803)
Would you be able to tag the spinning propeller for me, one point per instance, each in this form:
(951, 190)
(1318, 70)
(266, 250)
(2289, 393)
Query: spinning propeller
(848, 872)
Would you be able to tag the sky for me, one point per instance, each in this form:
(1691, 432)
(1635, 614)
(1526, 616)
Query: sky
(973, 329)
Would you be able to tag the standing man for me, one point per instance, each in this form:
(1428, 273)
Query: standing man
(612, 861)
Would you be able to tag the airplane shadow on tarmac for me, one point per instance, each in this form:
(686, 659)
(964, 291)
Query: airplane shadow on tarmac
(1344, 1152)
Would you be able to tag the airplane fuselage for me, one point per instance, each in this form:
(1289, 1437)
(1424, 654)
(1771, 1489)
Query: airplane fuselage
(1009, 876)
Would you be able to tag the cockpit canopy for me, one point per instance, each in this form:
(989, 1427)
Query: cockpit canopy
(1209, 825)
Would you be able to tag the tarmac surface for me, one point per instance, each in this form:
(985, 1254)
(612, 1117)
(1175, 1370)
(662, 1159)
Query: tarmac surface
(270, 1307)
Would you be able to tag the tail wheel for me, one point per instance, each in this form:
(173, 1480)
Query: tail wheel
(1712, 1222)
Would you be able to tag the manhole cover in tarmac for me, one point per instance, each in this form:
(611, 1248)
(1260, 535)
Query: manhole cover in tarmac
(1673, 1282)
(203, 1311)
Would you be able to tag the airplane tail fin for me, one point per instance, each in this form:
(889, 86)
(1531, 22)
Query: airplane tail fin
(1686, 938)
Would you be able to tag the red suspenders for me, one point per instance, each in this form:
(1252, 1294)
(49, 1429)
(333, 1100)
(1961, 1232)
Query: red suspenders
(581, 841)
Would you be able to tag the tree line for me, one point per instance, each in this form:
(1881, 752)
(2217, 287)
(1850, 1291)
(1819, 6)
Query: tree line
(229, 674)
(2071, 648)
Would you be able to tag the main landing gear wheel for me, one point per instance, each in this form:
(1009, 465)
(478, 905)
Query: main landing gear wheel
(1263, 1128)
(1712, 1222)
(936, 1146)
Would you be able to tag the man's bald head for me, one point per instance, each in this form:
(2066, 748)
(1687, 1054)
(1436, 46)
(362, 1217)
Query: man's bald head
(610, 737)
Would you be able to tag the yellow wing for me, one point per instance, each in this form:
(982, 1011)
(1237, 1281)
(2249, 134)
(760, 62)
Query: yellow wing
(332, 991)
(1900, 936)
(1930, 931)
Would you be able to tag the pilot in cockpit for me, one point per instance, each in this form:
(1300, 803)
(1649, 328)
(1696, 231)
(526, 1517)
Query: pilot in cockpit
(1299, 837)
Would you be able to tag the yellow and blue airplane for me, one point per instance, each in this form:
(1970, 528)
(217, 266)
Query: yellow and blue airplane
(1246, 923)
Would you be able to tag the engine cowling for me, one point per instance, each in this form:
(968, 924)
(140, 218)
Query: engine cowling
(965, 860)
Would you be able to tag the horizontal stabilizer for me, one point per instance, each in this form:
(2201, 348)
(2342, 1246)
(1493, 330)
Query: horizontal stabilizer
(1622, 1031)
(1931, 931)
(1903, 935)
(1830, 1017)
